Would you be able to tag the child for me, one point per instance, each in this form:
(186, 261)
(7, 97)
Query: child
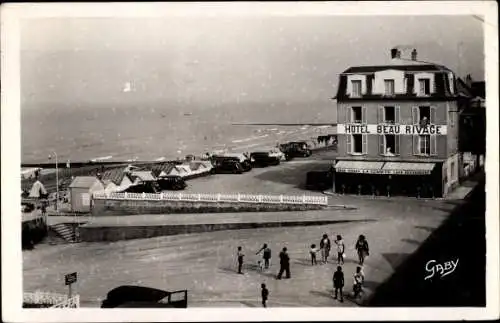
(313, 252)
(265, 294)
(340, 250)
(338, 283)
(359, 278)
(240, 256)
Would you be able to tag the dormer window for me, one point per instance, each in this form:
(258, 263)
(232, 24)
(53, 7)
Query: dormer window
(424, 86)
(356, 88)
(389, 87)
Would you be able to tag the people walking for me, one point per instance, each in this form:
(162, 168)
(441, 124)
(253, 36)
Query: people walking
(338, 283)
(266, 255)
(240, 256)
(264, 294)
(340, 250)
(325, 246)
(284, 264)
(359, 279)
(313, 251)
(363, 249)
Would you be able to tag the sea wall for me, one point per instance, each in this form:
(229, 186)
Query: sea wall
(118, 207)
(117, 233)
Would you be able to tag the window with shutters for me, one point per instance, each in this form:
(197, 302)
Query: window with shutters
(357, 114)
(357, 144)
(452, 171)
(424, 115)
(389, 145)
(424, 145)
(356, 88)
(389, 115)
(389, 87)
(424, 86)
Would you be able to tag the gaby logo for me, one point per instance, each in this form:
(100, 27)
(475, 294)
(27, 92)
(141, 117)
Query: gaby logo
(444, 269)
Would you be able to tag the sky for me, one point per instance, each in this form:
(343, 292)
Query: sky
(223, 60)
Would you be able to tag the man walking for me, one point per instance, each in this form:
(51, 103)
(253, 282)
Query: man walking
(266, 255)
(284, 264)
(240, 256)
(264, 294)
(338, 283)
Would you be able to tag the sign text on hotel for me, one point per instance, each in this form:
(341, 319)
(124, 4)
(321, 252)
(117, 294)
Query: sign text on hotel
(394, 129)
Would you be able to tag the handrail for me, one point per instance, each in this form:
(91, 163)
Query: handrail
(215, 197)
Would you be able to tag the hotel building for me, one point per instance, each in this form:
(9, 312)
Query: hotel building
(398, 129)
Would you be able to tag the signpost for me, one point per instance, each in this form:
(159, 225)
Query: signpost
(70, 279)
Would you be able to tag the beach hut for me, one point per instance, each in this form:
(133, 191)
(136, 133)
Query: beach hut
(163, 169)
(120, 177)
(142, 177)
(81, 190)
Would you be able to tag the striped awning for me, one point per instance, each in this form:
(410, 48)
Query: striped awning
(358, 166)
(393, 168)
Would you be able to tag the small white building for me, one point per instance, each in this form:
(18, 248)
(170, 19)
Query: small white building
(81, 190)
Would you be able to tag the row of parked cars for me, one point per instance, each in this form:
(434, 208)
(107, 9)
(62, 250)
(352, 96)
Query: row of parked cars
(229, 164)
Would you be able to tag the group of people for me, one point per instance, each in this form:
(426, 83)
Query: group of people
(325, 247)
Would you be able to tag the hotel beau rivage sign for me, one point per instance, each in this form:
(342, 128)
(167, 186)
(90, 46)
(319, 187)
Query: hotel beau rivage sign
(385, 129)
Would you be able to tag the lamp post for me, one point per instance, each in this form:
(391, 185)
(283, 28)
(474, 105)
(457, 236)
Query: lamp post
(57, 180)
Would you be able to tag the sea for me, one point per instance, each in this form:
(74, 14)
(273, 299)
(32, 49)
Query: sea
(155, 132)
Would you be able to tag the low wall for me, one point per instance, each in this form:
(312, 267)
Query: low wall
(116, 233)
(112, 207)
(33, 231)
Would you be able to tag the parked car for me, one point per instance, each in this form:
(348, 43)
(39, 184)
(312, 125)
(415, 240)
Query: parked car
(263, 159)
(146, 187)
(296, 149)
(127, 296)
(228, 166)
(244, 161)
(172, 182)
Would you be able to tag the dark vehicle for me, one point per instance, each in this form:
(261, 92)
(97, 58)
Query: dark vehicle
(228, 166)
(319, 180)
(144, 297)
(146, 187)
(263, 159)
(171, 182)
(245, 163)
(296, 149)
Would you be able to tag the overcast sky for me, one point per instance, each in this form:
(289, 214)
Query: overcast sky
(217, 60)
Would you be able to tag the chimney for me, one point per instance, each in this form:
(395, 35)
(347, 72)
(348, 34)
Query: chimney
(468, 80)
(414, 55)
(395, 53)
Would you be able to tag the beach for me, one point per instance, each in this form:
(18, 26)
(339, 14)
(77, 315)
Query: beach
(163, 132)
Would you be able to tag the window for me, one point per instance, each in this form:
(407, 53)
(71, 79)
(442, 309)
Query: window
(357, 144)
(389, 115)
(357, 114)
(424, 86)
(356, 88)
(390, 145)
(424, 115)
(451, 116)
(389, 87)
(452, 170)
(424, 144)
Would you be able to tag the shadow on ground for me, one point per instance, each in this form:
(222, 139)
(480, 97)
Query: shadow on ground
(295, 176)
(461, 236)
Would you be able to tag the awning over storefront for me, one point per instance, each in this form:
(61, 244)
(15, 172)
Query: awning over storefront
(392, 168)
(359, 167)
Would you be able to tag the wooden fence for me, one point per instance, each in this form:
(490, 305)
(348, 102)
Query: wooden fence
(200, 197)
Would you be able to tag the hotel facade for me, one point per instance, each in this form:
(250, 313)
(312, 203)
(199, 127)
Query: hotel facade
(398, 129)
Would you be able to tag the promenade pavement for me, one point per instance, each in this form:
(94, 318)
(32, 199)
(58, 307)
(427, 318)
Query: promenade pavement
(205, 263)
